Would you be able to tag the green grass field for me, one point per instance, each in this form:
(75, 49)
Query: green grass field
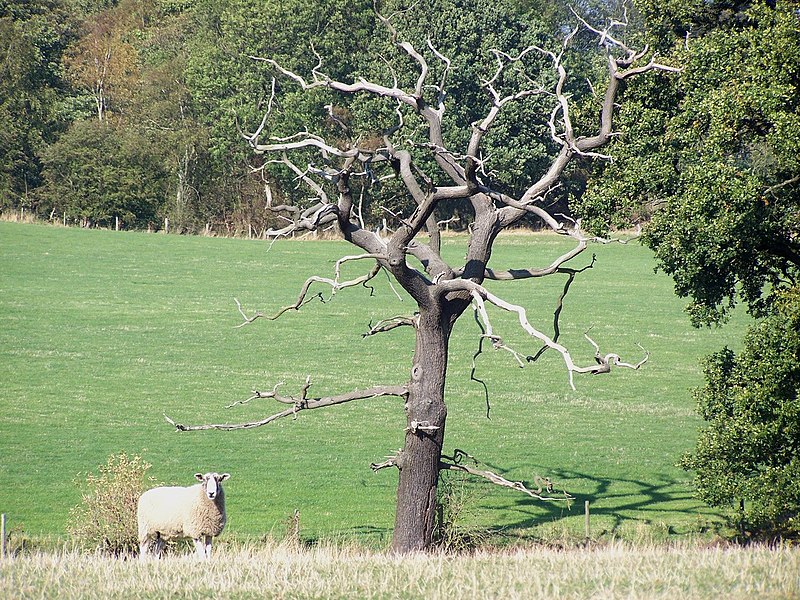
(101, 333)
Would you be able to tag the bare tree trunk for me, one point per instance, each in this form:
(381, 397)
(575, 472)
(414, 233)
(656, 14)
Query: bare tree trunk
(426, 414)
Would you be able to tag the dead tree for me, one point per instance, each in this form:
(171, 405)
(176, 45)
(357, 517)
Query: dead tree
(411, 254)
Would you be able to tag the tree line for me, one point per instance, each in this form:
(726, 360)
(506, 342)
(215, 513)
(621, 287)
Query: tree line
(130, 111)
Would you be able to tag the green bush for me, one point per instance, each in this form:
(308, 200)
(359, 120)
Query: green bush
(106, 517)
(748, 458)
(457, 498)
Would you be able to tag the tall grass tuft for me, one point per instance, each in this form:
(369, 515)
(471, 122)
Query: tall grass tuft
(105, 520)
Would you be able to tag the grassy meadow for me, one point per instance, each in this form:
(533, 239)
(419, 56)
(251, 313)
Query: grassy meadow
(276, 571)
(102, 333)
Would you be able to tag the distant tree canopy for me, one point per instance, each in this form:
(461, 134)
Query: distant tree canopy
(180, 74)
(177, 78)
(33, 37)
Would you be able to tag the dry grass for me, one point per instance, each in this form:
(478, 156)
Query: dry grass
(277, 571)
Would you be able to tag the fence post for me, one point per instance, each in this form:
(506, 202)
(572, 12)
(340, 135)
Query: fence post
(3, 535)
(586, 518)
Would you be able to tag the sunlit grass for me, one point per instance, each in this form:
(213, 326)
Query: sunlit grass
(101, 333)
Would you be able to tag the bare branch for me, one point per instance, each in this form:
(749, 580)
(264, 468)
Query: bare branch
(252, 138)
(604, 35)
(385, 325)
(387, 22)
(445, 73)
(544, 484)
(256, 394)
(475, 356)
(361, 85)
(479, 129)
(560, 305)
(554, 267)
(606, 361)
(303, 298)
(481, 295)
(776, 187)
(392, 460)
(298, 404)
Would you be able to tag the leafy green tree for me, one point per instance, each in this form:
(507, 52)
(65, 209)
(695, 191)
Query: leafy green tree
(103, 63)
(710, 163)
(715, 160)
(97, 172)
(33, 36)
(747, 460)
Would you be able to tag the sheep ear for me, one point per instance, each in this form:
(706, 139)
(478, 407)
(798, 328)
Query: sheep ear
(198, 476)
(224, 476)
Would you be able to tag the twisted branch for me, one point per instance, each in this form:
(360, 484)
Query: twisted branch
(391, 323)
(304, 299)
(481, 295)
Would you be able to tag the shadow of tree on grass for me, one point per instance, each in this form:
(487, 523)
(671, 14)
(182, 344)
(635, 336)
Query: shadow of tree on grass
(613, 502)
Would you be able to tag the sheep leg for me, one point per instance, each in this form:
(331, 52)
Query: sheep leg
(144, 548)
(160, 545)
(151, 548)
(203, 546)
(208, 546)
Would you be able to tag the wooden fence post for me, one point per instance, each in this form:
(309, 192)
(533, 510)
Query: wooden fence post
(586, 518)
(3, 535)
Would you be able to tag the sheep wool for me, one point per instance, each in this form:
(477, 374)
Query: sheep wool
(196, 512)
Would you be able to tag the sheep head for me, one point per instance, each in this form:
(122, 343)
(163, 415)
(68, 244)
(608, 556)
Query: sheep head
(211, 483)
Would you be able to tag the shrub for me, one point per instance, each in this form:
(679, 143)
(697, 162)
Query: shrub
(456, 499)
(748, 457)
(106, 517)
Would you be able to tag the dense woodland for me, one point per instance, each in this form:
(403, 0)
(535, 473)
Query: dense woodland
(132, 109)
(132, 112)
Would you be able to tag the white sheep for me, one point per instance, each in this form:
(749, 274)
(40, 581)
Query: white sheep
(196, 512)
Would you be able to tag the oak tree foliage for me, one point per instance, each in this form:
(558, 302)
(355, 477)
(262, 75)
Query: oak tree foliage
(709, 163)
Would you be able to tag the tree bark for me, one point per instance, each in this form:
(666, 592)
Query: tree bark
(426, 413)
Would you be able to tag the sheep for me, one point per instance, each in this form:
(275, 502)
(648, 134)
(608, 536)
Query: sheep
(196, 512)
